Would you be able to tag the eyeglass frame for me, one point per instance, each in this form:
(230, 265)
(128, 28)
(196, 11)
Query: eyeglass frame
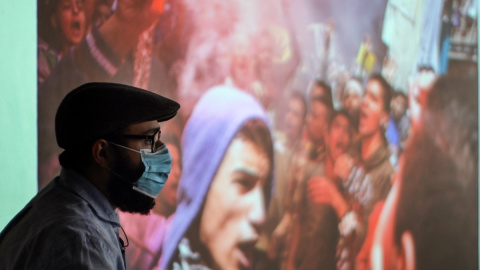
(154, 143)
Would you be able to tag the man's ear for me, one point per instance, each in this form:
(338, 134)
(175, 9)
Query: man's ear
(407, 260)
(100, 152)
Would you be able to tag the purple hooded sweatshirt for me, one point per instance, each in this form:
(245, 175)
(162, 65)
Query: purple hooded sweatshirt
(215, 120)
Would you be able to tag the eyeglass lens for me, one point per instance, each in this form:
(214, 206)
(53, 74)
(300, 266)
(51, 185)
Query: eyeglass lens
(156, 141)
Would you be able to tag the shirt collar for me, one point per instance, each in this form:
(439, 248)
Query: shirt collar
(88, 192)
(379, 156)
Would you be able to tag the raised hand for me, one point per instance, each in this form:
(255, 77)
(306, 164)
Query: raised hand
(129, 20)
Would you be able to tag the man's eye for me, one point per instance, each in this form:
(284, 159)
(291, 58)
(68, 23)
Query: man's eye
(148, 141)
(246, 184)
(80, 4)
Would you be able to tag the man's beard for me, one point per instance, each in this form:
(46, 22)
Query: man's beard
(120, 189)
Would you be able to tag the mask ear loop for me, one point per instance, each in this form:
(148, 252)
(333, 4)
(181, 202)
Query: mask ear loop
(119, 176)
(124, 147)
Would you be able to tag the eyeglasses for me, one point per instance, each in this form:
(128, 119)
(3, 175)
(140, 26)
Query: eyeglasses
(152, 140)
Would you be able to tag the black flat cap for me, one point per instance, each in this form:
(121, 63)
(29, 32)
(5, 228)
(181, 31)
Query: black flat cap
(96, 109)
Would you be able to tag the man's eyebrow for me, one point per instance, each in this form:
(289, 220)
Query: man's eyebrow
(151, 130)
(247, 170)
(251, 175)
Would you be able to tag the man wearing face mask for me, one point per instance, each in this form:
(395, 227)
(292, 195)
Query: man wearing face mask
(113, 158)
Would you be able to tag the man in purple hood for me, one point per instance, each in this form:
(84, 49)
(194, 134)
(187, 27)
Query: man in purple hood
(225, 184)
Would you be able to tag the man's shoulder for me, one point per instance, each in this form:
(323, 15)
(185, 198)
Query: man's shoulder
(57, 202)
(48, 216)
(59, 233)
(381, 173)
(58, 246)
(384, 168)
(52, 209)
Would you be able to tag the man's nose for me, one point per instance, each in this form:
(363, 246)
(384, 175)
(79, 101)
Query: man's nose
(257, 211)
(76, 6)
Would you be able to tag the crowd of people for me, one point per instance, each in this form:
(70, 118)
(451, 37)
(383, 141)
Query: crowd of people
(326, 206)
(363, 176)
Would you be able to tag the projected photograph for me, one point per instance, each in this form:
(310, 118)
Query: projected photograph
(312, 134)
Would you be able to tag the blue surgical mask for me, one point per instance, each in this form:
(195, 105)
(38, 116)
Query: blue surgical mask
(157, 167)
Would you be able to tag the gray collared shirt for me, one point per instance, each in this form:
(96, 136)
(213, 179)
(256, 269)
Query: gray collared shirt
(68, 225)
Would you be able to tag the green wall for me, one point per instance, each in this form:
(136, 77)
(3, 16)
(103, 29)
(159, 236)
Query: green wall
(18, 106)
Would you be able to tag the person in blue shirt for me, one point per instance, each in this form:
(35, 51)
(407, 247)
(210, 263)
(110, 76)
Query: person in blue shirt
(113, 158)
